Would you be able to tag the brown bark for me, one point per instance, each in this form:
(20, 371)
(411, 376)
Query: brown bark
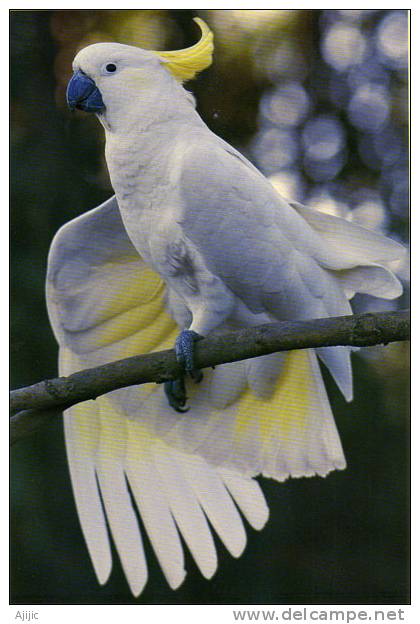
(38, 403)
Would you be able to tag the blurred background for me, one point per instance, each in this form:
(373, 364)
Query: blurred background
(318, 100)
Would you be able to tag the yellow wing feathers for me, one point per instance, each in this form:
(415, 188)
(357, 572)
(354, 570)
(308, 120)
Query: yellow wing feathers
(132, 308)
(279, 435)
(182, 470)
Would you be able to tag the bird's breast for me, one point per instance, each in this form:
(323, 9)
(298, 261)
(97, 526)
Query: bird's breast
(144, 190)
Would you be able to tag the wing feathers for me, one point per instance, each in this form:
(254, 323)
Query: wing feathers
(216, 502)
(86, 493)
(116, 497)
(373, 280)
(123, 523)
(187, 513)
(353, 243)
(82, 430)
(248, 496)
(153, 506)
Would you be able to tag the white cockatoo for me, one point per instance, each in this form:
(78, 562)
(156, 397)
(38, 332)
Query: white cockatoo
(195, 240)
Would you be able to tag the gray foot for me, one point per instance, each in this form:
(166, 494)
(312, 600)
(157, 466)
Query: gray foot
(184, 350)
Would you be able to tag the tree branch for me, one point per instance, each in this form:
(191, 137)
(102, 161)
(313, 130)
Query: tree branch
(38, 403)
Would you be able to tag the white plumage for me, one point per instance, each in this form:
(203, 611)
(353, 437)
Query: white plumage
(195, 230)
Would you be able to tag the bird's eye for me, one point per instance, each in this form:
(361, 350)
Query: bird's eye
(111, 68)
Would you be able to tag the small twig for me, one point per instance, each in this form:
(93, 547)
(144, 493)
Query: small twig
(54, 395)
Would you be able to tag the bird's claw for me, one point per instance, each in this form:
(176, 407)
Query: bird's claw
(184, 351)
(176, 395)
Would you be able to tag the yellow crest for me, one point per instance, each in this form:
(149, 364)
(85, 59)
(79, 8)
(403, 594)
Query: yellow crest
(185, 64)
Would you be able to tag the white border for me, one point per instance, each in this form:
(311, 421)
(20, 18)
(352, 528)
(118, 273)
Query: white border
(67, 614)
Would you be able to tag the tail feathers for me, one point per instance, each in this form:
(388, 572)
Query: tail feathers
(300, 438)
(338, 362)
(280, 434)
(228, 381)
(263, 372)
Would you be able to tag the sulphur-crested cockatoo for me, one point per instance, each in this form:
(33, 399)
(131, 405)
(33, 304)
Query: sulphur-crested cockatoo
(194, 240)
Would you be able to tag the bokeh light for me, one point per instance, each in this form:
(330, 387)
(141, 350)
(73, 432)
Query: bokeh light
(392, 39)
(349, 117)
(370, 213)
(275, 148)
(369, 107)
(323, 137)
(323, 140)
(289, 183)
(343, 45)
(286, 105)
(321, 198)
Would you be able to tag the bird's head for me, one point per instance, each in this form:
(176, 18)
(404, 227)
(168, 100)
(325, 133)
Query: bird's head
(109, 75)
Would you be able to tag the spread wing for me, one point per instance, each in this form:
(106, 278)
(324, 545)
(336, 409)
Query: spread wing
(185, 472)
